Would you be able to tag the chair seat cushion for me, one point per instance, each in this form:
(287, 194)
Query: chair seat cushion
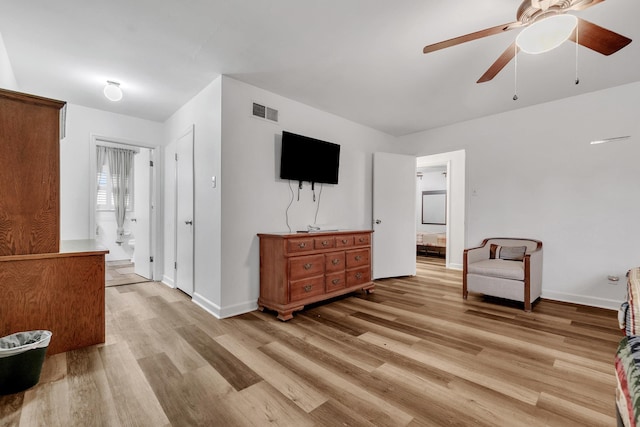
(504, 269)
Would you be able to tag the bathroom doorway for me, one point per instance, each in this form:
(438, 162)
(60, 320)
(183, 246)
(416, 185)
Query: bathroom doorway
(122, 211)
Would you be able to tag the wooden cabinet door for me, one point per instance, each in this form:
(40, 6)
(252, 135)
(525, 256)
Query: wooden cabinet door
(29, 174)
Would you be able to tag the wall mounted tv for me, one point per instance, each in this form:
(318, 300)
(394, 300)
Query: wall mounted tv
(309, 159)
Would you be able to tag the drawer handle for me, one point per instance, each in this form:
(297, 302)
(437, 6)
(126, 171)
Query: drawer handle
(335, 261)
(362, 239)
(358, 258)
(308, 288)
(358, 275)
(325, 242)
(344, 241)
(302, 245)
(335, 281)
(307, 266)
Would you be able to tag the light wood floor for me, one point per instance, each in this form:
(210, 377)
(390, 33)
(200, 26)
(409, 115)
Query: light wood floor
(412, 353)
(122, 273)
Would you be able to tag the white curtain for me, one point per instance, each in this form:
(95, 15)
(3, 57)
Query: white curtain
(101, 157)
(120, 162)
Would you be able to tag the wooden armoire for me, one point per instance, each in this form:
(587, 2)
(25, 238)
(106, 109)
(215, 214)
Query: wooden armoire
(44, 283)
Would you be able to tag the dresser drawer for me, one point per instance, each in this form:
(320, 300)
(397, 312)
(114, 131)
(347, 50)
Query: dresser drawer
(306, 266)
(335, 281)
(305, 288)
(345, 241)
(299, 245)
(324, 242)
(358, 276)
(362, 239)
(357, 258)
(334, 262)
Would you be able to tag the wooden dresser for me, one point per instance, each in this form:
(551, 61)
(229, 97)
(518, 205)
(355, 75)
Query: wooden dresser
(297, 269)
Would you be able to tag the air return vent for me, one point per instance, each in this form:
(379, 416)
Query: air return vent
(266, 113)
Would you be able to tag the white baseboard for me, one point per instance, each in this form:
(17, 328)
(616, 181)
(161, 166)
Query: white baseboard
(582, 299)
(236, 309)
(166, 280)
(223, 312)
(206, 305)
(453, 266)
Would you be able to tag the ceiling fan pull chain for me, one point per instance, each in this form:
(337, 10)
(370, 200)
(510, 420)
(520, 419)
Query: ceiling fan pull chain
(515, 74)
(577, 45)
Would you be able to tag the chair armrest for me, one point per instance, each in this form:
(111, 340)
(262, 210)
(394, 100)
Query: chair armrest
(535, 272)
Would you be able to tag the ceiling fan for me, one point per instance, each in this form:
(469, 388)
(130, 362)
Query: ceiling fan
(591, 35)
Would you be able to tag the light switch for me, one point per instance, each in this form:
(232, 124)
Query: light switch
(213, 182)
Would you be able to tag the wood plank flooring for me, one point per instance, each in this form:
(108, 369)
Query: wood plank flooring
(121, 273)
(413, 353)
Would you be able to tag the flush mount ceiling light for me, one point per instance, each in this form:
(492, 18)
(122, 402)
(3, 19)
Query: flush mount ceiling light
(112, 91)
(546, 34)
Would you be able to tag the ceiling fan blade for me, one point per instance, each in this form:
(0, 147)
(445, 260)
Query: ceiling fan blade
(500, 63)
(585, 4)
(469, 37)
(599, 39)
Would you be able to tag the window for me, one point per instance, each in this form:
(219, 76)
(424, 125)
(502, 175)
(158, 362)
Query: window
(104, 195)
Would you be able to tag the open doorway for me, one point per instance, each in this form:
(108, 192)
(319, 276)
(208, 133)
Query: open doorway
(431, 211)
(122, 209)
(440, 206)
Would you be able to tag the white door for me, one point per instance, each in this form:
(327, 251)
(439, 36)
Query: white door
(394, 218)
(142, 221)
(184, 213)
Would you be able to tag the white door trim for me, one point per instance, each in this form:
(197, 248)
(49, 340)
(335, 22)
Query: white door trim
(456, 202)
(189, 130)
(154, 244)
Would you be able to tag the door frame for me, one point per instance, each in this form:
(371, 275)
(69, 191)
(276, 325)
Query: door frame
(189, 130)
(447, 165)
(457, 203)
(155, 196)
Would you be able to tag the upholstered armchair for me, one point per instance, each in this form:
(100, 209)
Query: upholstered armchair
(505, 268)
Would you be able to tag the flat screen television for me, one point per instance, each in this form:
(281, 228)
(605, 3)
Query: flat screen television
(309, 159)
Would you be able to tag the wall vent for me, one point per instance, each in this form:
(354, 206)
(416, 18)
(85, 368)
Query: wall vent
(264, 112)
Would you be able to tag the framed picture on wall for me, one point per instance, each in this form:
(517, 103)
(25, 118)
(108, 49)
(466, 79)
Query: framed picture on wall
(434, 207)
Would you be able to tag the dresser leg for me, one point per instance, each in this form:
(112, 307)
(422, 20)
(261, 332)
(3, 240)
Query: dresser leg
(288, 314)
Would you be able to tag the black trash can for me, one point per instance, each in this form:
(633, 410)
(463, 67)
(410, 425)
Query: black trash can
(21, 358)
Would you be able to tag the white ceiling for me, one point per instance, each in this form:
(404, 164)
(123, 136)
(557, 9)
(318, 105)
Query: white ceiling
(359, 59)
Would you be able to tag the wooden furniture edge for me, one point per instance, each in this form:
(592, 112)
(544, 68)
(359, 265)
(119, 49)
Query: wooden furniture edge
(31, 99)
(82, 248)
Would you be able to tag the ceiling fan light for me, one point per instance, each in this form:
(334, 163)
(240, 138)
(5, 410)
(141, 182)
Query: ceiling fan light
(546, 34)
(112, 91)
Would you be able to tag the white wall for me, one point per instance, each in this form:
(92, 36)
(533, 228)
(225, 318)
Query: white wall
(532, 173)
(204, 113)
(254, 199)
(7, 78)
(75, 175)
